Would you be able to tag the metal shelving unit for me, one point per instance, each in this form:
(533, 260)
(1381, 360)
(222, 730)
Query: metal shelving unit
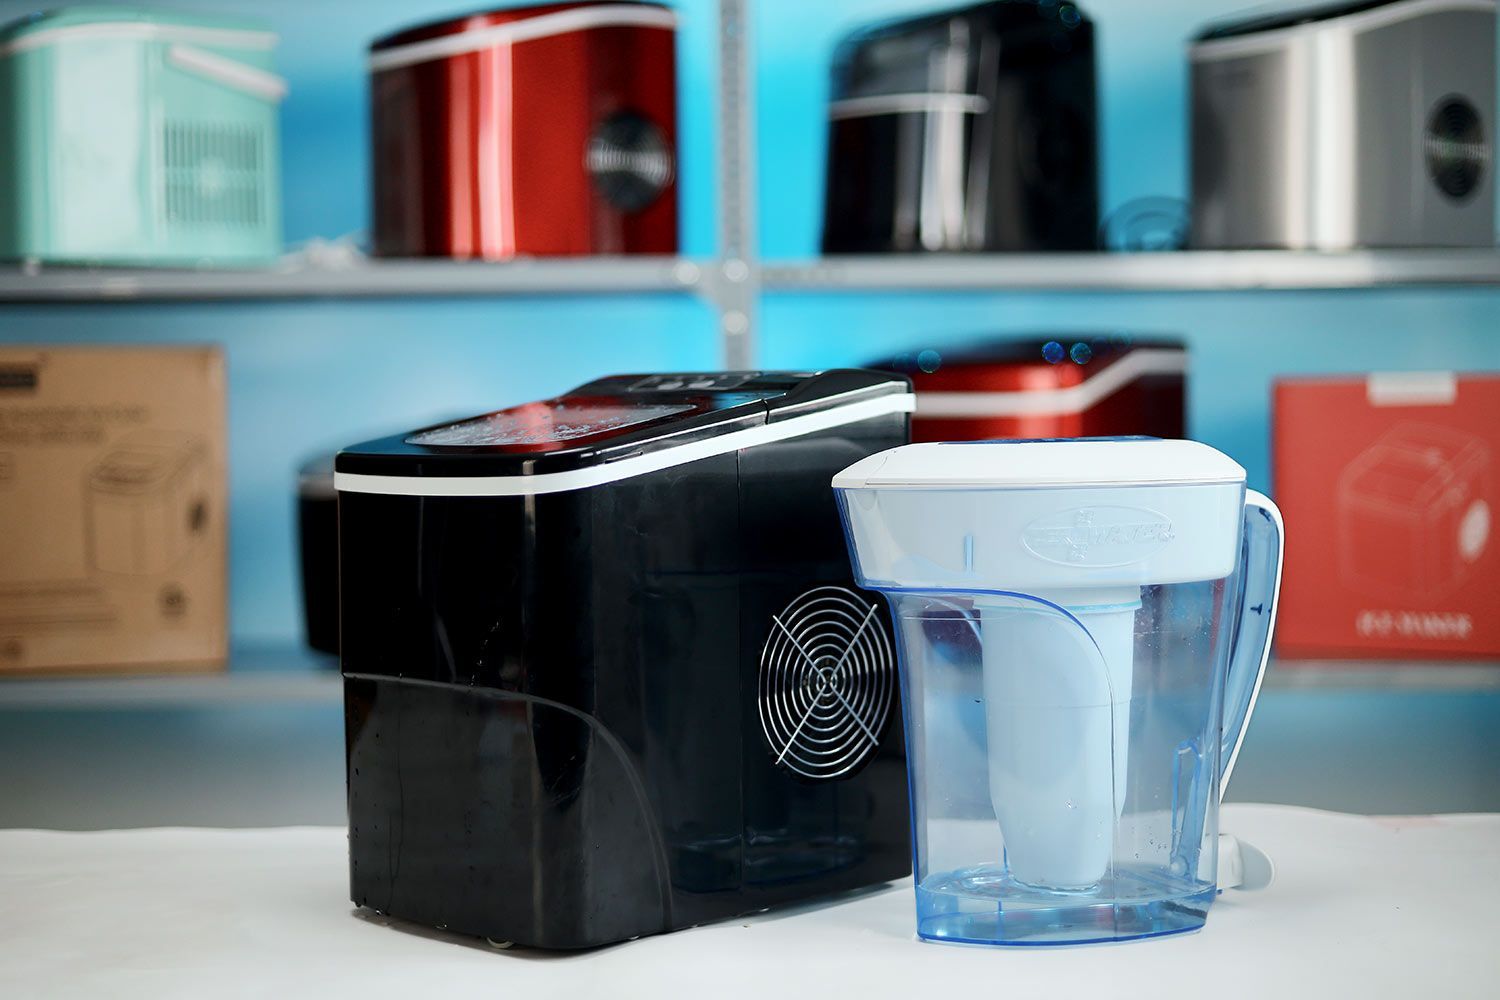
(733, 281)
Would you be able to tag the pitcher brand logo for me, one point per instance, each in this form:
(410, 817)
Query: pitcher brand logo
(1097, 536)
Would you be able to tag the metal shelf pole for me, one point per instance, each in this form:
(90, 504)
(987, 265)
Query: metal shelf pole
(735, 287)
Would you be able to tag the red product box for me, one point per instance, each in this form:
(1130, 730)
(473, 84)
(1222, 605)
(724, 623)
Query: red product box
(1388, 486)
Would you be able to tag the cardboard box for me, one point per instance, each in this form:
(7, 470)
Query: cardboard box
(1389, 488)
(112, 509)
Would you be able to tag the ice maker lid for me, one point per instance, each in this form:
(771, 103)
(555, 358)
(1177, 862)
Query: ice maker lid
(1039, 464)
(475, 32)
(604, 430)
(1049, 374)
(1262, 21)
(100, 22)
(937, 55)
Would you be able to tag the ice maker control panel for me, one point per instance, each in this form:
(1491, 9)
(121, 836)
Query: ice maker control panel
(701, 381)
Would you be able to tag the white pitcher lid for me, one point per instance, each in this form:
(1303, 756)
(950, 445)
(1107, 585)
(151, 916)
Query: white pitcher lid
(1039, 464)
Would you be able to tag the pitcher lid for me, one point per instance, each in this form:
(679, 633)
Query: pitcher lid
(1039, 464)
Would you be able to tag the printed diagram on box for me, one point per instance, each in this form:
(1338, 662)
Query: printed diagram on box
(146, 503)
(1414, 512)
(145, 510)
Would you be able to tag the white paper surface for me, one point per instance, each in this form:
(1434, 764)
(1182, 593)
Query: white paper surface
(1361, 906)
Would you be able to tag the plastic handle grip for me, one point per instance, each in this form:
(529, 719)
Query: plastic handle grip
(1260, 589)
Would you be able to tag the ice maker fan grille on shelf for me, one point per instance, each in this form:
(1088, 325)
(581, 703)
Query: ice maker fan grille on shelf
(1456, 148)
(212, 174)
(827, 680)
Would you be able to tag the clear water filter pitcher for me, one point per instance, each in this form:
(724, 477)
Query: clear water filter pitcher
(1084, 626)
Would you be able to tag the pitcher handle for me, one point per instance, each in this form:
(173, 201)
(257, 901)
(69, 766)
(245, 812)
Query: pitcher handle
(1260, 589)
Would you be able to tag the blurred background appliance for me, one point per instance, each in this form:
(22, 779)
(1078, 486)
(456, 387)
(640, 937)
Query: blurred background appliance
(1051, 386)
(548, 130)
(133, 136)
(967, 130)
(318, 551)
(605, 670)
(1352, 125)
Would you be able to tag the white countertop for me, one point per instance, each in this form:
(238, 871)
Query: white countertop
(1362, 906)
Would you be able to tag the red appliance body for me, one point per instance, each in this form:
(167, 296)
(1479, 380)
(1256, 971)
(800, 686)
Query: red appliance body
(1014, 389)
(548, 130)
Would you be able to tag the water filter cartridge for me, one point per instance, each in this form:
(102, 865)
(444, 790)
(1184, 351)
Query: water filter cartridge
(1057, 685)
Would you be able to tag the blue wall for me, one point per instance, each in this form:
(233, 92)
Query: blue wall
(307, 376)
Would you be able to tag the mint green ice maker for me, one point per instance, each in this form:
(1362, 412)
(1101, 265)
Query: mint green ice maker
(130, 136)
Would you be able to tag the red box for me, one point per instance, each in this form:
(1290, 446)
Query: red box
(1387, 483)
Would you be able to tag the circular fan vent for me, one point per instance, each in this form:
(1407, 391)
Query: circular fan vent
(1456, 148)
(827, 679)
(630, 161)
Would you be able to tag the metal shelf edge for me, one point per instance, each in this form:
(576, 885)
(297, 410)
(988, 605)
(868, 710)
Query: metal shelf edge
(1382, 675)
(1188, 270)
(361, 278)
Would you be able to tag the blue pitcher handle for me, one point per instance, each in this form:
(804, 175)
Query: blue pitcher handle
(1241, 865)
(1260, 589)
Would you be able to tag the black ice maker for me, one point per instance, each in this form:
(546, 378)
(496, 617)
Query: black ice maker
(966, 130)
(605, 671)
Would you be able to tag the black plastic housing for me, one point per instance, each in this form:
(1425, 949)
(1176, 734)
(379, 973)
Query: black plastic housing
(318, 553)
(551, 699)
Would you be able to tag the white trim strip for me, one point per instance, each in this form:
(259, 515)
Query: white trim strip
(1363, 21)
(134, 31)
(545, 26)
(891, 104)
(626, 468)
(1054, 402)
(235, 75)
(1411, 388)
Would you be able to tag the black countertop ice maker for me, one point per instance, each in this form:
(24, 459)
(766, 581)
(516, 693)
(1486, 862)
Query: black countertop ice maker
(606, 673)
(968, 130)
